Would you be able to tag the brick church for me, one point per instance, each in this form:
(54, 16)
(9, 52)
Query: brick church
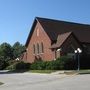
(49, 39)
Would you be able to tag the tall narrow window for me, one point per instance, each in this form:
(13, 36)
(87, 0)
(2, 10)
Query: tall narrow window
(34, 49)
(37, 48)
(37, 31)
(42, 48)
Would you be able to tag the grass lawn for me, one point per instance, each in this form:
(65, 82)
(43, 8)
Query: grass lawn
(42, 71)
(87, 71)
(68, 72)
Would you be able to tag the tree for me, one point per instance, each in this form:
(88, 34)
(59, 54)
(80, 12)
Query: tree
(6, 51)
(6, 54)
(18, 49)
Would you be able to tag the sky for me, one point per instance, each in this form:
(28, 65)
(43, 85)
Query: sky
(16, 16)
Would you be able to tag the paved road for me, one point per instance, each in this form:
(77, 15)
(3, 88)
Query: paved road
(29, 81)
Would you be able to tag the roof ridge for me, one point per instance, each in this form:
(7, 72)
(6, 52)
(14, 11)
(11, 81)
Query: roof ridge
(71, 22)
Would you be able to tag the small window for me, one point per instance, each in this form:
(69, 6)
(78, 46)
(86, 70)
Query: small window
(34, 49)
(37, 31)
(42, 48)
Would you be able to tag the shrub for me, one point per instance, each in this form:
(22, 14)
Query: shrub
(11, 67)
(20, 65)
(61, 63)
(3, 64)
(52, 65)
(66, 63)
(38, 65)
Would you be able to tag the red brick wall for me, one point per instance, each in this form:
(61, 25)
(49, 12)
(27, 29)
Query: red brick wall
(41, 38)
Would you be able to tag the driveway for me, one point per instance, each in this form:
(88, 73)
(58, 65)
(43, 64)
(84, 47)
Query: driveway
(32, 81)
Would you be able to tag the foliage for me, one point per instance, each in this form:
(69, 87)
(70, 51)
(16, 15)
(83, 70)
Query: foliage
(19, 65)
(22, 66)
(6, 52)
(9, 53)
(18, 49)
(52, 65)
(66, 63)
(38, 65)
(60, 64)
(3, 64)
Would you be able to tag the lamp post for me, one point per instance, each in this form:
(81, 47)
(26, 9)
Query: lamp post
(78, 51)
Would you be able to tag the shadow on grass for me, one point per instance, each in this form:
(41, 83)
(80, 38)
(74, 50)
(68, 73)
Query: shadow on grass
(12, 72)
(81, 72)
(84, 72)
(43, 71)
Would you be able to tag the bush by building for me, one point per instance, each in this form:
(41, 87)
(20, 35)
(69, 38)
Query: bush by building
(18, 66)
(38, 65)
(62, 63)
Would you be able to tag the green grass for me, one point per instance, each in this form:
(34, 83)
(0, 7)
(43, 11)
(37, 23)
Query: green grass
(78, 72)
(68, 72)
(42, 71)
(84, 71)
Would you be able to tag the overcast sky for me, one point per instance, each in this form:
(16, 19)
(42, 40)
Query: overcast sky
(16, 16)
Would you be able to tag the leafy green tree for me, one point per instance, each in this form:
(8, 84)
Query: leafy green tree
(6, 54)
(6, 51)
(18, 49)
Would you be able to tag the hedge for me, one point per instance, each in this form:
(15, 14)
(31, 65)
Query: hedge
(20, 65)
(62, 63)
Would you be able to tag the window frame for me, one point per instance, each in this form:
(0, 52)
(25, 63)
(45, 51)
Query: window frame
(34, 49)
(42, 48)
(38, 49)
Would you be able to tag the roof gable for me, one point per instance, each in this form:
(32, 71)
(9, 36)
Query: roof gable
(55, 27)
(61, 39)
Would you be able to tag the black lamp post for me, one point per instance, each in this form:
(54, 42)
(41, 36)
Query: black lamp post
(78, 51)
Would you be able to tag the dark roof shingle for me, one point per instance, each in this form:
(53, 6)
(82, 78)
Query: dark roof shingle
(61, 39)
(55, 27)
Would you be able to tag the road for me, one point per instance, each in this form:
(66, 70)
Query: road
(30, 81)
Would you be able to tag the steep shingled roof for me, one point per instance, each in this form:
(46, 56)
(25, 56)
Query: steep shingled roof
(53, 28)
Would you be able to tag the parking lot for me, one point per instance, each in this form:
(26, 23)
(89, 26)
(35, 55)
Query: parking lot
(34, 81)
